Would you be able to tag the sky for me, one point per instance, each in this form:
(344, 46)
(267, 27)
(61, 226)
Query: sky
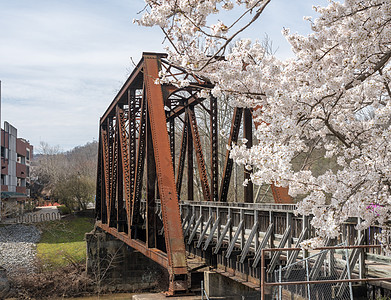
(63, 61)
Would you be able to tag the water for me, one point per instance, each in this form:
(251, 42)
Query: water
(121, 296)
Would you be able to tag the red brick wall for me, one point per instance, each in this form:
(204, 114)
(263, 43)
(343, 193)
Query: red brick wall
(21, 147)
(21, 189)
(4, 166)
(21, 170)
(4, 139)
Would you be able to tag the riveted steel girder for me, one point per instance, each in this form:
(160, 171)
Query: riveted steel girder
(136, 162)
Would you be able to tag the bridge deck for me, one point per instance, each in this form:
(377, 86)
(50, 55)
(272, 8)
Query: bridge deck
(229, 237)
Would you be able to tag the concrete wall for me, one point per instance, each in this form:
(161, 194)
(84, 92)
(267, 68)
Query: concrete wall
(219, 286)
(12, 157)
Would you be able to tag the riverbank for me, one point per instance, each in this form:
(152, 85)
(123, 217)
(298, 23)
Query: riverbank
(119, 296)
(53, 264)
(47, 259)
(18, 248)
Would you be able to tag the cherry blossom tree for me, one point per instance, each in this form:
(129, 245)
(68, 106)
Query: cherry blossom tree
(334, 95)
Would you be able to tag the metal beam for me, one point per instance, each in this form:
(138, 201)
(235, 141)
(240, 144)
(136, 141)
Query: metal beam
(199, 155)
(233, 138)
(263, 244)
(190, 165)
(214, 146)
(277, 254)
(182, 157)
(151, 229)
(204, 232)
(248, 135)
(223, 234)
(139, 168)
(175, 245)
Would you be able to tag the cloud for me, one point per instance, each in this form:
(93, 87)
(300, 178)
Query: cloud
(62, 62)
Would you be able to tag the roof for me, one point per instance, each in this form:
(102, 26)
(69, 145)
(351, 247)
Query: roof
(6, 195)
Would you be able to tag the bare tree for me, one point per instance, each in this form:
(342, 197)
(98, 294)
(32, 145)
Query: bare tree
(67, 177)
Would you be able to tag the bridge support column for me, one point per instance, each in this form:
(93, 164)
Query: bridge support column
(113, 265)
(218, 285)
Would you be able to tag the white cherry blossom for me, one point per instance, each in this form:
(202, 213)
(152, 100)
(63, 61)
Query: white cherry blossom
(333, 96)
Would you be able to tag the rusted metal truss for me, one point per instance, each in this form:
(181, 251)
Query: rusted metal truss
(137, 160)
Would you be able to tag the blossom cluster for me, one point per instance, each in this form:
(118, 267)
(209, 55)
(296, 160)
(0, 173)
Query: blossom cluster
(333, 96)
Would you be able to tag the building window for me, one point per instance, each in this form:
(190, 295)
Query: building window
(21, 159)
(21, 182)
(28, 154)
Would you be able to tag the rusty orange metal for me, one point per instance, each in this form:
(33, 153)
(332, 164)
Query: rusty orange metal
(138, 130)
(176, 252)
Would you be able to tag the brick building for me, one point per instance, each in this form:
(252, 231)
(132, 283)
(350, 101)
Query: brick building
(16, 155)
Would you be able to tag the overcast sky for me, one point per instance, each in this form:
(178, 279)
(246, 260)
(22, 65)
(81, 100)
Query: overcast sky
(63, 61)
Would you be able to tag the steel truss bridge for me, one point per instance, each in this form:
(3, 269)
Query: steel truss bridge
(142, 175)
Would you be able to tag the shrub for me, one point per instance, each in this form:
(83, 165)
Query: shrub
(64, 210)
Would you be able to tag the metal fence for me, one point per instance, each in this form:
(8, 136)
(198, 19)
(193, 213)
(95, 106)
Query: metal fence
(323, 266)
(321, 274)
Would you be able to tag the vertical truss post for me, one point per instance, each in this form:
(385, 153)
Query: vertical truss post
(110, 143)
(121, 216)
(248, 135)
(214, 174)
(172, 137)
(100, 181)
(132, 152)
(182, 156)
(135, 216)
(114, 176)
(233, 138)
(175, 245)
(113, 171)
(106, 171)
(199, 154)
(190, 168)
(151, 183)
(124, 171)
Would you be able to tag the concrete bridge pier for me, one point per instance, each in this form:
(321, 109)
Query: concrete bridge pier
(218, 286)
(115, 266)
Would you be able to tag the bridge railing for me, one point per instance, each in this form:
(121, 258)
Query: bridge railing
(33, 218)
(251, 206)
(230, 236)
(280, 215)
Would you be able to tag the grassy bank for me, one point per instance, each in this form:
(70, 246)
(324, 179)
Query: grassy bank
(62, 241)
